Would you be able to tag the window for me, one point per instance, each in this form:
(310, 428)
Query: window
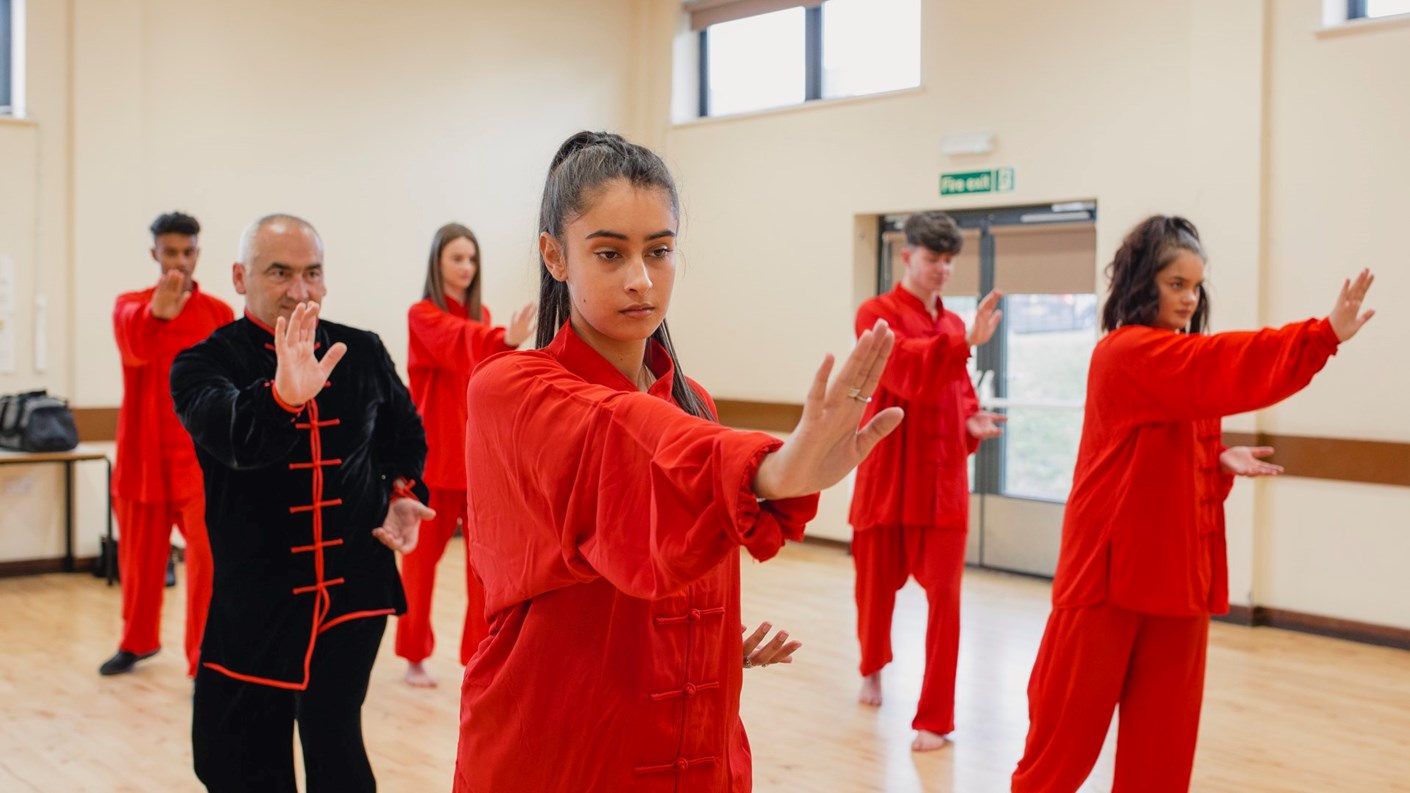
(754, 63)
(1371, 9)
(869, 47)
(11, 57)
(760, 54)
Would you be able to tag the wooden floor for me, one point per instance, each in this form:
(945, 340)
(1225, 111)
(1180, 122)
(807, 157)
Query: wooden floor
(1283, 712)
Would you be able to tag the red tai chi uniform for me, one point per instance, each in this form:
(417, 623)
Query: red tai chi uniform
(910, 509)
(445, 347)
(156, 480)
(1143, 564)
(606, 524)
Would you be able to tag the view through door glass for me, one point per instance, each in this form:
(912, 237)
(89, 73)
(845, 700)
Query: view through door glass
(1049, 329)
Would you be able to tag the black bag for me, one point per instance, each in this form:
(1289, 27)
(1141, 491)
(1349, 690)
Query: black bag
(36, 422)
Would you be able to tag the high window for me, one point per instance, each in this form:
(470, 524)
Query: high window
(761, 54)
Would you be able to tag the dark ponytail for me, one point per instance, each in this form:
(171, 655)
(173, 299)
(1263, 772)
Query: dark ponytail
(586, 162)
(1134, 296)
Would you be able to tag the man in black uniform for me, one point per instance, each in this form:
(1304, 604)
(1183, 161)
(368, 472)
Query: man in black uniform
(311, 450)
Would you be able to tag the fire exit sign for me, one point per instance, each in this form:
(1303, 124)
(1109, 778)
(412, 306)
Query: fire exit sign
(999, 180)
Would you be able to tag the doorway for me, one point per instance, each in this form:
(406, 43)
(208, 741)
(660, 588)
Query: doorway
(1034, 370)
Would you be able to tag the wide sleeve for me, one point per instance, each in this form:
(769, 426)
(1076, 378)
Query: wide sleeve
(445, 341)
(969, 405)
(1159, 376)
(570, 482)
(136, 330)
(917, 365)
(243, 425)
(400, 438)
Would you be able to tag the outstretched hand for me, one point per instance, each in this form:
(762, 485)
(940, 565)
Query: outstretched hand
(402, 526)
(827, 444)
(170, 296)
(1244, 461)
(985, 425)
(299, 375)
(778, 650)
(986, 319)
(1346, 316)
(521, 325)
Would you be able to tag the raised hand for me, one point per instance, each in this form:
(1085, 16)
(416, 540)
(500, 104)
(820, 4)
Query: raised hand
(986, 319)
(985, 425)
(299, 375)
(1346, 316)
(827, 444)
(402, 526)
(1244, 461)
(778, 650)
(170, 295)
(521, 325)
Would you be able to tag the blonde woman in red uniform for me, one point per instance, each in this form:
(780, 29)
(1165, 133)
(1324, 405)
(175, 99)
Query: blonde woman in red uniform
(1142, 565)
(450, 331)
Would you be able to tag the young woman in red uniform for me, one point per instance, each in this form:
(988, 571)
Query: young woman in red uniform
(1142, 564)
(451, 332)
(608, 507)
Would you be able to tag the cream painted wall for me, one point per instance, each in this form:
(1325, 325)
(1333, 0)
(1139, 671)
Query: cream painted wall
(379, 126)
(1338, 164)
(35, 171)
(1194, 107)
(378, 123)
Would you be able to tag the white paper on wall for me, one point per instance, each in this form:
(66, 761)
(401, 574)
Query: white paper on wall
(7, 343)
(8, 286)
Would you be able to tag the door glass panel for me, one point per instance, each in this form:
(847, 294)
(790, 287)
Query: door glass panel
(1049, 343)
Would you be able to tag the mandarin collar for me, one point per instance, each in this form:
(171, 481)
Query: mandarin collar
(455, 307)
(264, 334)
(905, 296)
(578, 357)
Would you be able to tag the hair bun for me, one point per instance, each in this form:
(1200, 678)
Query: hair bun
(583, 140)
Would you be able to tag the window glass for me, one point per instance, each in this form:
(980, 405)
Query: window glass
(756, 63)
(869, 46)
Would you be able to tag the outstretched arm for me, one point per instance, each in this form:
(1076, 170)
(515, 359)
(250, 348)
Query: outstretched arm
(1166, 376)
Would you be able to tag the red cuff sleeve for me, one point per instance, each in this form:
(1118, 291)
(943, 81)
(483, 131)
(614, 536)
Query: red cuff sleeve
(274, 392)
(402, 488)
(765, 525)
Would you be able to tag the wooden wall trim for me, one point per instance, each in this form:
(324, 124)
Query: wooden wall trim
(767, 416)
(1335, 459)
(96, 425)
(83, 564)
(1348, 630)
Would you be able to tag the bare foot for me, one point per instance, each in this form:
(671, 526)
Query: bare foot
(418, 677)
(871, 690)
(927, 741)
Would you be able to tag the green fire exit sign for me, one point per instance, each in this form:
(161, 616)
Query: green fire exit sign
(999, 180)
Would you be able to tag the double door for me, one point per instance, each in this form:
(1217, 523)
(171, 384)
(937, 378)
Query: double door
(1034, 370)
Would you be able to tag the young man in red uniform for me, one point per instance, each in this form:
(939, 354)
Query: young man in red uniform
(156, 481)
(910, 511)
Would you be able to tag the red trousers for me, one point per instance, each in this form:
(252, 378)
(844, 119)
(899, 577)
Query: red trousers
(1094, 660)
(143, 550)
(885, 557)
(415, 636)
